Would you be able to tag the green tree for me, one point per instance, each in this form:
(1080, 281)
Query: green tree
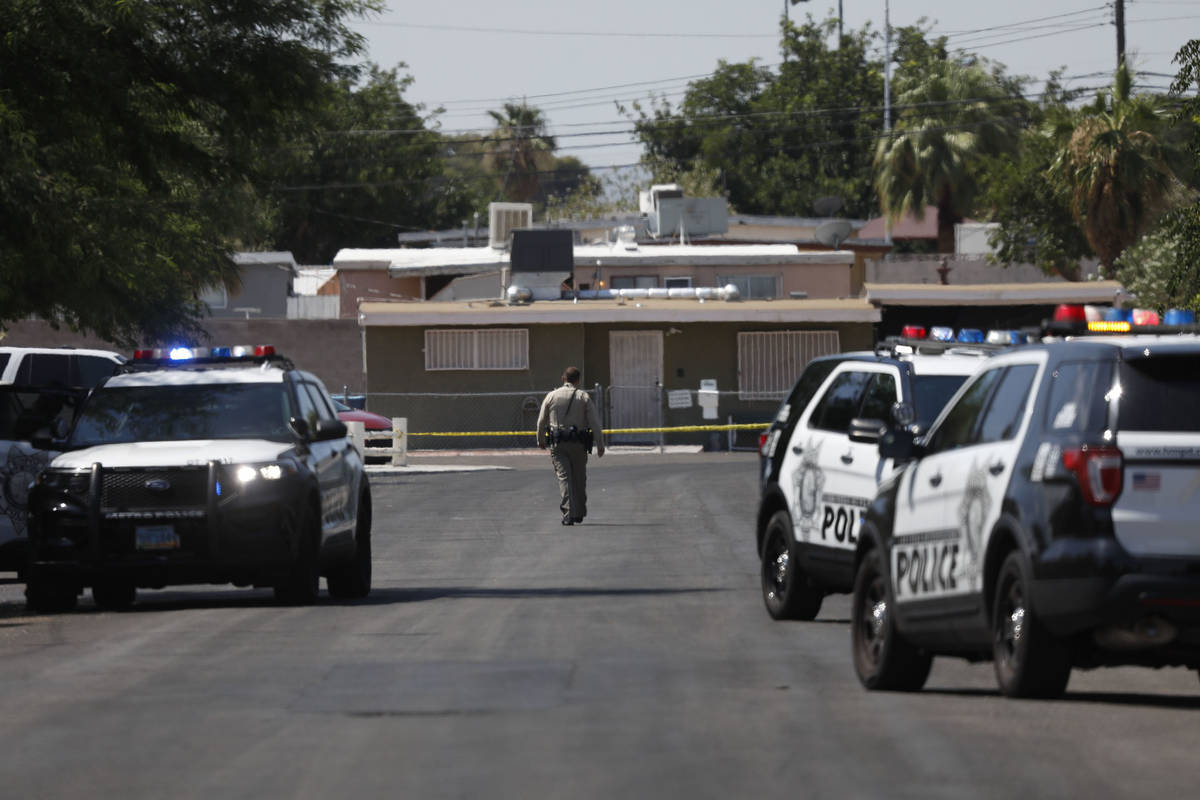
(1120, 166)
(1036, 224)
(361, 168)
(777, 141)
(520, 151)
(129, 137)
(953, 114)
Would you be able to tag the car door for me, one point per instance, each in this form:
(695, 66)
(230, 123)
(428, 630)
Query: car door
(328, 460)
(827, 478)
(949, 501)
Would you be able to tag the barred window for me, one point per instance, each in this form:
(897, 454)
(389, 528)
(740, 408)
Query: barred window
(770, 362)
(477, 348)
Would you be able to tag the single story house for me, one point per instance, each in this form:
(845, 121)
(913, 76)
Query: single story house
(485, 365)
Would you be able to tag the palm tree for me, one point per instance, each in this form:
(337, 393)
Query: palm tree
(1120, 165)
(954, 114)
(519, 150)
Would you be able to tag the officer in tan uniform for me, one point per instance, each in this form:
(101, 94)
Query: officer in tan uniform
(564, 423)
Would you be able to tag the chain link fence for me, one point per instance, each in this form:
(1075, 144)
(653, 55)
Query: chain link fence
(499, 420)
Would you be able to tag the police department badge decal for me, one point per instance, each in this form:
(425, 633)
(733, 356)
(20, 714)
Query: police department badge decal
(809, 482)
(16, 474)
(972, 515)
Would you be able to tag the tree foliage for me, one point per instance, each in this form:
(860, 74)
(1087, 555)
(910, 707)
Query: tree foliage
(129, 135)
(777, 141)
(954, 114)
(360, 168)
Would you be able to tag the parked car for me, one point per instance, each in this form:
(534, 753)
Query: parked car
(209, 469)
(1047, 521)
(372, 423)
(821, 465)
(57, 366)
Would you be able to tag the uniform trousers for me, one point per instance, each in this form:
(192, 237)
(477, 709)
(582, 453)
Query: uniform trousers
(570, 466)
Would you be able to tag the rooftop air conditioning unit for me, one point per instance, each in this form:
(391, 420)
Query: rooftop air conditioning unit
(503, 218)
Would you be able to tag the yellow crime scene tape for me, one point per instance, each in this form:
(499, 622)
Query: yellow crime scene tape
(745, 426)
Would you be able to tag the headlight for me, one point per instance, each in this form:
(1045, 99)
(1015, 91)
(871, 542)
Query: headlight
(268, 472)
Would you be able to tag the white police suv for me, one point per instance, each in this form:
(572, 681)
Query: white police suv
(199, 466)
(821, 464)
(1047, 521)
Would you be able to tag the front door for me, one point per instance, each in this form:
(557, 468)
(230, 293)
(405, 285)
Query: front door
(636, 373)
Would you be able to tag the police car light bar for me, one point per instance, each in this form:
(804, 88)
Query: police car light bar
(1076, 320)
(182, 356)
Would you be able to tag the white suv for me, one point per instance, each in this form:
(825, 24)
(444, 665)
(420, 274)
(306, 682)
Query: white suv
(57, 366)
(821, 463)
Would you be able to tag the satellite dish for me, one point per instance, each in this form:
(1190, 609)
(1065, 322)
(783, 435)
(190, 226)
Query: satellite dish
(833, 232)
(827, 206)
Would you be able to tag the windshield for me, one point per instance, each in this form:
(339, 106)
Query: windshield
(180, 413)
(930, 395)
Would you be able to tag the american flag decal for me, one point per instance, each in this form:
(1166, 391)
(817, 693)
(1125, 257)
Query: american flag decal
(1147, 481)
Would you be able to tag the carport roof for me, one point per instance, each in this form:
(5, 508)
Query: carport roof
(494, 312)
(991, 294)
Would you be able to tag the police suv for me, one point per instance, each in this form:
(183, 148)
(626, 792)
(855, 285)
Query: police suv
(196, 466)
(821, 464)
(1047, 521)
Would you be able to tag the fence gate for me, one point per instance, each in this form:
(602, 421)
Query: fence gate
(636, 372)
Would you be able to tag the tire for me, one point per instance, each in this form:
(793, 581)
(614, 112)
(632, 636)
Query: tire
(114, 595)
(303, 582)
(787, 592)
(883, 658)
(352, 581)
(47, 595)
(1028, 660)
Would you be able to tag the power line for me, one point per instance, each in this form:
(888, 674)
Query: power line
(590, 34)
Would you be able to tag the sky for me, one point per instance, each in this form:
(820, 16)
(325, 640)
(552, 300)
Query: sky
(577, 60)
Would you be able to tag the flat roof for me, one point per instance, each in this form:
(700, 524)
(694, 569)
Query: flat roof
(991, 294)
(494, 312)
(402, 261)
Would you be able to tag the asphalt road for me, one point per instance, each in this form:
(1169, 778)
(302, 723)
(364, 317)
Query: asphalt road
(503, 655)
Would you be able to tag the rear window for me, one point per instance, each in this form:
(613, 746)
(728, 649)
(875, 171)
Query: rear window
(1160, 394)
(931, 393)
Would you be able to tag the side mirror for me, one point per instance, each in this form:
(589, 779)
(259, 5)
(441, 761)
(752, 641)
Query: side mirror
(52, 436)
(867, 431)
(327, 429)
(299, 426)
(900, 444)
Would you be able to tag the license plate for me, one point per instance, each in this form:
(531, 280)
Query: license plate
(157, 537)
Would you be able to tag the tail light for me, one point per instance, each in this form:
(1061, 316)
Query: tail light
(763, 438)
(1099, 471)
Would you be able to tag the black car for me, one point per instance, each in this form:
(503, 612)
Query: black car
(1048, 521)
(201, 470)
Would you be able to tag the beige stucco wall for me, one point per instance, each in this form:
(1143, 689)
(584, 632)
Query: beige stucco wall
(372, 285)
(821, 281)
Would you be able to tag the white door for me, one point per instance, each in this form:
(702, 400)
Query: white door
(636, 374)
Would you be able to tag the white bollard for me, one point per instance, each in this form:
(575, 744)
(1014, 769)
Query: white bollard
(357, 430)
(400, 441)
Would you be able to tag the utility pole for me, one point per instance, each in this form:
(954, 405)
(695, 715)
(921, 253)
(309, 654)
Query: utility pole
(1120, 23)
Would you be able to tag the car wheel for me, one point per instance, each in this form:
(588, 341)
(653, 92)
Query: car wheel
(1028, 660)
(352, 581)
(114, 595)
(303, 582)
(883, 658)
(787, 592)
(47, 595)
